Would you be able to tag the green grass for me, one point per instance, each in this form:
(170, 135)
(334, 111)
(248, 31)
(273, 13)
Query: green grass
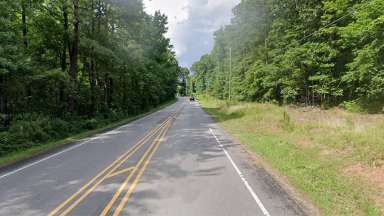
(46, 147)
(312, 148)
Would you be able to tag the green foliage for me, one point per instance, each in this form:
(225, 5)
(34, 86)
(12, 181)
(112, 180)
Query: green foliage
(308, 52)
(352, 106)
(34, 129)
(123, 66)
(91, 124)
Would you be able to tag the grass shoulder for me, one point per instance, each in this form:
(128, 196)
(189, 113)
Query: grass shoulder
(334, 156)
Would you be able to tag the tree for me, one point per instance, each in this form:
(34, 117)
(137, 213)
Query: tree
(80, 59)
(316, 52)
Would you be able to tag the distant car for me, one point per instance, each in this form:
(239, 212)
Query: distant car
(192, 98)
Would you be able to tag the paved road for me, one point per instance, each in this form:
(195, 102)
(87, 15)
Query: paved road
(175, 162)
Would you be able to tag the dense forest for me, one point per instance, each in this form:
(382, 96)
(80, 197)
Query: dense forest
(73, 65)
(311, 52)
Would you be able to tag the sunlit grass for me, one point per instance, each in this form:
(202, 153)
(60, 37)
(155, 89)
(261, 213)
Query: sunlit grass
(314, 148)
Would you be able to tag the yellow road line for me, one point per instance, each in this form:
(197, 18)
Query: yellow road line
(125, 199)
(125, 183)
(117, 194)
(122, 157)
(89, 191)
(120, 172)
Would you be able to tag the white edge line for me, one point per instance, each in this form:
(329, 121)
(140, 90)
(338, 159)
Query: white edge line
(254, 195)
(73, 147)
(44, 159)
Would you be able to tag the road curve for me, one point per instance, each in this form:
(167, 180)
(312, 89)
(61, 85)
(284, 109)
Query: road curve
(174, 162)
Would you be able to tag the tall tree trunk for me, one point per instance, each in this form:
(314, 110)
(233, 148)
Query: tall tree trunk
(2, 94)
(65, 47)
(108, 79)
(92, 73)
(24, 22)
(65, 37)
(74, 56)
(266, 31)
(92, 82)
(4, 101)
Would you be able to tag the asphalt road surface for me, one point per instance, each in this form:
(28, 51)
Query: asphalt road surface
(174, 162)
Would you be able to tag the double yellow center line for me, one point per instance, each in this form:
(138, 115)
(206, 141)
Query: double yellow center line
(112, 170)
(143, 162)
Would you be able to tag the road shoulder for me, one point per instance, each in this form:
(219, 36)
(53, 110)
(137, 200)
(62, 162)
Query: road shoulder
(256, 166)
(19, 159)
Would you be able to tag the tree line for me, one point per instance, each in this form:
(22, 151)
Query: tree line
(70, 62)
(312, 52)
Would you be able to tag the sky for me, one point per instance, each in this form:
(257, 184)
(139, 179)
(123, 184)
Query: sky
(192, 23)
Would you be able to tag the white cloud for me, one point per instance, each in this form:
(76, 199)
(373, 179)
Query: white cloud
(176, 10)
(192, 24)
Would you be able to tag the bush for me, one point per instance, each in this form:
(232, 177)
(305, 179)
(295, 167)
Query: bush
(34, 129)
(364, 106)
(27, 133)
(352, 106)
(5, 141)
(115, 116)
(91, 124)
(58, 128)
